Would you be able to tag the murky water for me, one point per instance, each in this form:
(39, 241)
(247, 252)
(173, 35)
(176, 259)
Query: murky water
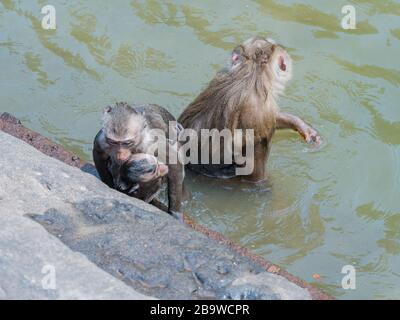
(322, 209)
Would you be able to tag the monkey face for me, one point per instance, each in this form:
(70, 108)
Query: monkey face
(120, 154)
(266, 54)
(123, 131)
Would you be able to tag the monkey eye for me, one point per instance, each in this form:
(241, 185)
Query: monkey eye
(127, 143)
(112, 142)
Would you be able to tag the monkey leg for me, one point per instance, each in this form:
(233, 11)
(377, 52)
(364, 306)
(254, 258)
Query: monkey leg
(261, 152)
(289, 121)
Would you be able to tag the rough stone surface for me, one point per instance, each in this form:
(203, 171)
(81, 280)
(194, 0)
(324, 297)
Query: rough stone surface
(27, 250)
(96, 237)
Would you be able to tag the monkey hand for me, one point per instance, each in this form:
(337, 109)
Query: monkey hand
(178, 215)
(310, 135)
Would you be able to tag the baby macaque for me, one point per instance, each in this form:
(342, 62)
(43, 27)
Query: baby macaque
(141, 176)
(244, 96)
(128, 131)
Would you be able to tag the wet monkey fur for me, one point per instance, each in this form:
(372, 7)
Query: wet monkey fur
(244, 96)
(127, 131)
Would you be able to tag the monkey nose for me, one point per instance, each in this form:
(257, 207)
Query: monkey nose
(122, 156)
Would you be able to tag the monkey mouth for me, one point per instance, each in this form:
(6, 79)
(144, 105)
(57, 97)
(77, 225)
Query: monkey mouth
(282, 64)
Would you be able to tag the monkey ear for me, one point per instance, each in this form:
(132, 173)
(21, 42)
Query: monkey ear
(162, 169)
(107, 109)
(237, 55)
(236, 59)
(282, 63)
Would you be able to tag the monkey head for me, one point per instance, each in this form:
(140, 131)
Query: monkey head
(123, 130)
(140, 176)
(266, 56)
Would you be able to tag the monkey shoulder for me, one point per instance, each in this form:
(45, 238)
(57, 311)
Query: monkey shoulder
(154, 109)
(100, 143)
(158, 117)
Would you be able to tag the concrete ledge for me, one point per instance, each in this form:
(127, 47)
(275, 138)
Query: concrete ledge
(56, 214)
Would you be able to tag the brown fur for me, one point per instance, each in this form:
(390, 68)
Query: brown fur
(243, 96)
(129, 127)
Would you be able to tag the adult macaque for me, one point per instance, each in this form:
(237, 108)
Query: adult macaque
(244, 96)
(140, 176)
(128, 130)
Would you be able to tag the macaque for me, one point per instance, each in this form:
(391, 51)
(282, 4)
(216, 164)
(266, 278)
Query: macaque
(244, 96)
(128, 131)
(141, 176)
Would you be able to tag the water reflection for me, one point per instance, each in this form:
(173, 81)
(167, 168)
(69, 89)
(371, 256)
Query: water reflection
(69, 58)
(34, 63)
(321, 208)
(309, 15)
(390, 7)
(392, 76)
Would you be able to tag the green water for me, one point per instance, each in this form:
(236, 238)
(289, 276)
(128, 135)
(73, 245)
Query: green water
(322, 209)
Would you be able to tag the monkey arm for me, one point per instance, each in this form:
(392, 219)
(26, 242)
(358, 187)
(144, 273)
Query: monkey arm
(175, 188)
(100, 161)
(261, 152)
(289, 121)
(157, 203)
(101, 167)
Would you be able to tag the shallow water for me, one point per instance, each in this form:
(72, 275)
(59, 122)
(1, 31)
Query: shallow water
(322, 208)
